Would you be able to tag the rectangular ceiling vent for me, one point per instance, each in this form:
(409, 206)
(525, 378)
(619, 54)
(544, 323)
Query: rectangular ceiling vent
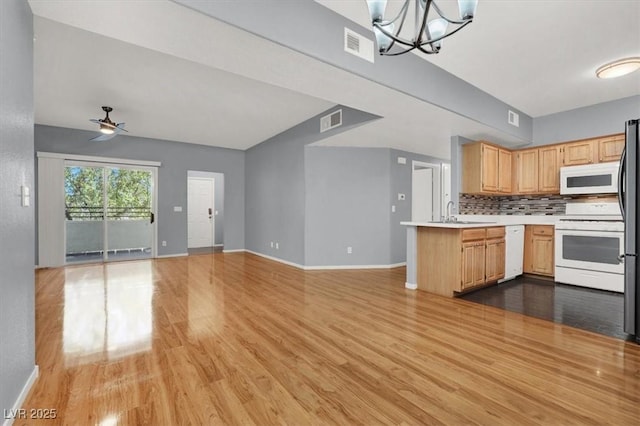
(331, 121)
(358, 45)
(514, 119)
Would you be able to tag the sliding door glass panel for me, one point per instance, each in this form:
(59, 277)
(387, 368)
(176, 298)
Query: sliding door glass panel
(84, 212)
(129, 213)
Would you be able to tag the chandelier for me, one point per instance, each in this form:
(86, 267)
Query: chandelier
(428, 33)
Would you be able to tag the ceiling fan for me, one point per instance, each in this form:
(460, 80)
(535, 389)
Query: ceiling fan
(108, 128)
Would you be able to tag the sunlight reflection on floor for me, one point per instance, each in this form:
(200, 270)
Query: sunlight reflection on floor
(108, 311)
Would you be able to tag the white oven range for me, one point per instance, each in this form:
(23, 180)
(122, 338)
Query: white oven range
(588, 243)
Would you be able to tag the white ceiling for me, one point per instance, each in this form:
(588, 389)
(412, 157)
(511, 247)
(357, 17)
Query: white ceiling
(539, 56)
(169, 76)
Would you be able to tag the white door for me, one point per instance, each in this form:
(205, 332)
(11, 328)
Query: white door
(200, 210)
(422, 195)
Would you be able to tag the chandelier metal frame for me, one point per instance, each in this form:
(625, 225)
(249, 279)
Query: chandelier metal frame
(422, 39)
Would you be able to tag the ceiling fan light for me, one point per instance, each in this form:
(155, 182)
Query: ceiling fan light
(376, 9)
(467, 8)
(383, 40)
(106, 129)
(618, 68)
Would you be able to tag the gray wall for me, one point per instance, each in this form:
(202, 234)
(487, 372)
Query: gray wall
(17, 305)
(456, 168)
(400, 181)
(218, 201)
(581, 123)
(318, 32)
(347, 204)
(177, 158)
(275, 186)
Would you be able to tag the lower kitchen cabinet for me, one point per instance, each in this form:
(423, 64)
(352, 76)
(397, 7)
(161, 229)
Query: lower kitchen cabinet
(494, 259)
(453, 260)
(473, 264)
(539, 250)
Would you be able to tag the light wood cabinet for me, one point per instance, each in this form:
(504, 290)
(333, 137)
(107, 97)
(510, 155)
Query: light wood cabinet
(549, 169)
(489, 160)
(487, 169)
(452, 260)
(539, 250)
(610, 148)
(579, 152)
(473, 264)
(526, 175)
(492, 170)
(504, 171)
(494, 260)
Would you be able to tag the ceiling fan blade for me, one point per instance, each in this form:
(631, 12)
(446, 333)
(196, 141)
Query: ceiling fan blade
(101, 137)
(95, 120)
(120, 126)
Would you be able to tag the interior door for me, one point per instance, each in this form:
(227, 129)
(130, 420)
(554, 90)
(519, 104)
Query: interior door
(200, 208)
(422, 195)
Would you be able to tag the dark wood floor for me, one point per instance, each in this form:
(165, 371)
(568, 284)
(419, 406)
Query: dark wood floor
(238, 339)
(589, 309)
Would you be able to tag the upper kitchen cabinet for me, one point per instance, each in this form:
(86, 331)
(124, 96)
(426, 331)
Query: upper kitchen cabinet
(580, 152)
(487, 169)
(526, 171)
(610, 148)
(549, 162)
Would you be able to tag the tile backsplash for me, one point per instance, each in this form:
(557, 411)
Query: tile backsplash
(513, 204)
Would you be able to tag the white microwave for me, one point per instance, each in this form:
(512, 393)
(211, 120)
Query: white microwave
(600, 178)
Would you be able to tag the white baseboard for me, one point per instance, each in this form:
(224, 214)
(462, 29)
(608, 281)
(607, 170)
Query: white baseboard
(410, 286)
(233, 251)
(164, 256)
(218, 245)
(325, 267)
(322, 267)
(286, 262)
(23, 395)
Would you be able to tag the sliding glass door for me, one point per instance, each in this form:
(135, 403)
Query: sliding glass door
(109, 212)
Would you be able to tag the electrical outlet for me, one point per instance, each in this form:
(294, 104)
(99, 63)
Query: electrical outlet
(393, 209)
(164, 243)
(271, 244)
(277, 246)
(349, 250)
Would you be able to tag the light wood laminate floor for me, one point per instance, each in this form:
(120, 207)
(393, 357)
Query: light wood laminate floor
(238, 339)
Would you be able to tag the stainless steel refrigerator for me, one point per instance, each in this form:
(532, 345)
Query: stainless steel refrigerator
(628, 197)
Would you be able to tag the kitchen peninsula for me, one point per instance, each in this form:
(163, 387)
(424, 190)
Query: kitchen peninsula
(447, 258)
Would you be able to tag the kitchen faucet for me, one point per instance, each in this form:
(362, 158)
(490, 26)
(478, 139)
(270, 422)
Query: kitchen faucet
(449, 204)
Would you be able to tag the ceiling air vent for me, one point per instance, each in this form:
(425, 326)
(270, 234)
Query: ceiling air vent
(514, 119)
(331, 121)
(358, 45)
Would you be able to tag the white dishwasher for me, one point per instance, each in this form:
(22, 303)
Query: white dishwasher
(514, 251)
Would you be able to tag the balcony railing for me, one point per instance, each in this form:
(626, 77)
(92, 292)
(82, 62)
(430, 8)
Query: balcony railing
(113, 213)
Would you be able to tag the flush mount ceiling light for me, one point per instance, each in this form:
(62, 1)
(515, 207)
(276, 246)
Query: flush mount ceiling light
(618, 68)
(428, 33)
